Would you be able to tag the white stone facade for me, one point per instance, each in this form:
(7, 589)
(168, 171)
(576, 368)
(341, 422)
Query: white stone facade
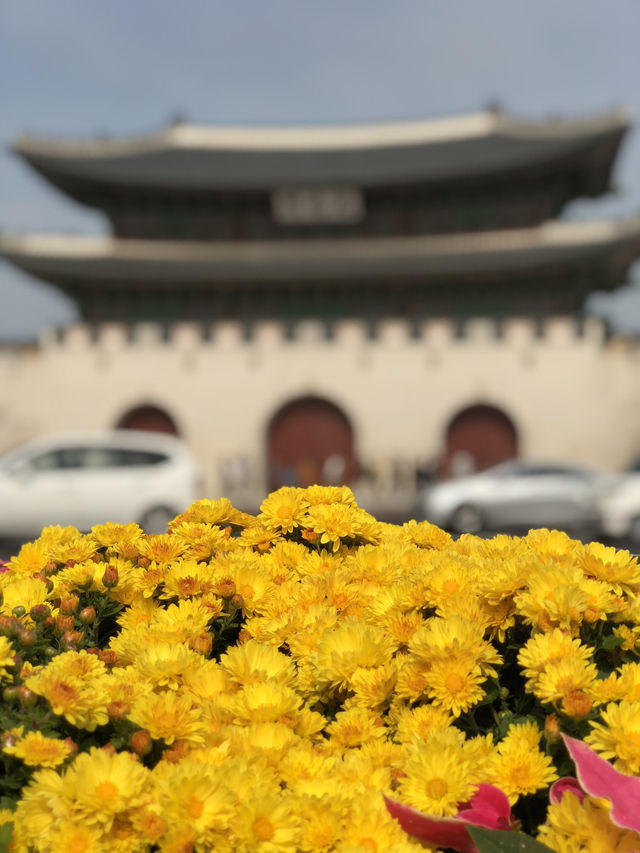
(573, 394)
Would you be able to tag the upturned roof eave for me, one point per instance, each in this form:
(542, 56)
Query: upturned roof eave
(245, 157)
(108, 259)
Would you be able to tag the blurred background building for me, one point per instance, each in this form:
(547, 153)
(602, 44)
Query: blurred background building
(361, 304)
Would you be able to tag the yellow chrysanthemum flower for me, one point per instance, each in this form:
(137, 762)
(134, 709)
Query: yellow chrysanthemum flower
(617, 737)
(255, 662)
(561, 678)
(166, 665)
(75, 685)
(284, 509)
(269, 824)
(31, 558)
(355, 727)
(415, 724)
(547, 648)
(346, 648)
(36, 750)
(518, 769)
(169, 717)
(22, 591)
(103, 785)
(265, 703)
(437, 779)
(7, 655)
(424, 534)
(196, 795)
(585, 827)
(161, 547)
(616, 568)
(455, 685)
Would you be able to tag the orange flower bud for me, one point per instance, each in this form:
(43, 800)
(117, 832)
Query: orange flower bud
(64, 623)
(577, 704)
(110, 577)
(225, 588)
(141, 742)
(39, 612)
(72, 639)
(202, 644)
(87, 615)
(108, 656)
(69, 604)
(117, 710)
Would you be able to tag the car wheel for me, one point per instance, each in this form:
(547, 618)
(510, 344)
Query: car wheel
(156, 519)
(467, 519)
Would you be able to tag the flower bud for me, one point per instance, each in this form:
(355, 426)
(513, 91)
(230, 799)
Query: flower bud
(64, 623)
(109, 748)
(50, 567)
(27, 637)
(10, 694)
(202, 644)
(26, 697)
(39, 612)
(551, 728)
(69, 604)
(141, 742)
(19, 611)
(108, 657)
(87, 615)
(8, 740)
(110, 577)
(143, 562)
(243, 636)
(117, 710)
(236, 601)
(73, 746)
(72, 639)
(225, 588)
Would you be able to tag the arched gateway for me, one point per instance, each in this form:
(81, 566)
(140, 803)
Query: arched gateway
(310, 440)
(149, 418)
(476, 438)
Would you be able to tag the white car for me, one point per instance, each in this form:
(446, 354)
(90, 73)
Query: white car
(619, 508)
(85, 479)
(515, 495)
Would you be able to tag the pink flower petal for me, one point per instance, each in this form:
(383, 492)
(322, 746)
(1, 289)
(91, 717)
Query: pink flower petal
(489, 807)
(441, 831)
(566, 783)
(600, 779)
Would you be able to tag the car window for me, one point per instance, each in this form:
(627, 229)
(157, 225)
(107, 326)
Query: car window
(140, 457)
(69, 458)
(48, 461)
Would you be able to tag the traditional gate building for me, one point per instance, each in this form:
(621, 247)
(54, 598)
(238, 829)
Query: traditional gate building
(336, 303)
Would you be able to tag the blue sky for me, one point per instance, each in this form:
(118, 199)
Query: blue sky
(83, 67)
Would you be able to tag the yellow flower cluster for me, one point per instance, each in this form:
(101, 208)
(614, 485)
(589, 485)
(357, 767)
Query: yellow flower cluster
(365, 658)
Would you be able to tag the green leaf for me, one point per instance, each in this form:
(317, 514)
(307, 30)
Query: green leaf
(499, 841)
(6, 831)
(612, 642)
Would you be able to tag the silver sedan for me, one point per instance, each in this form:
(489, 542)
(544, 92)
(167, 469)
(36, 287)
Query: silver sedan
(515, 495)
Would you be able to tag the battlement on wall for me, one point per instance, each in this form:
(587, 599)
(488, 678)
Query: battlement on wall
(262, 335)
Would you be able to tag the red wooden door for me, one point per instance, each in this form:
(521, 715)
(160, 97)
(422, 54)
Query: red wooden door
(310, 441)
(477, 438)
(148, 418)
